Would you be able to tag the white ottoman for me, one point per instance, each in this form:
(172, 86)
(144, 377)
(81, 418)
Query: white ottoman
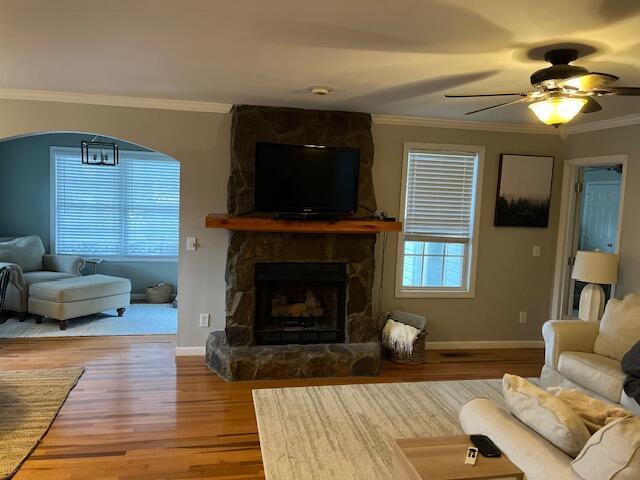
(78, 296)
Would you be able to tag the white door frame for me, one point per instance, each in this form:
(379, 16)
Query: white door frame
(564, 248)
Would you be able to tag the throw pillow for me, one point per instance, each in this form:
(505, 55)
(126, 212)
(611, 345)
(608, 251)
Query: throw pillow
(593, 412)
(619, 328)
(545, 413)
(612, 453)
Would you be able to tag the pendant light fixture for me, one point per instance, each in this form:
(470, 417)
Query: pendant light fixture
(100, 153)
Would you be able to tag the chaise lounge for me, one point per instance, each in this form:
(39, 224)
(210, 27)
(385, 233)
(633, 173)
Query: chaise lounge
(52, 286)
(28, 264)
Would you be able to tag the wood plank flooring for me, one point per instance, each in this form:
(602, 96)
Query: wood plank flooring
(138, 412)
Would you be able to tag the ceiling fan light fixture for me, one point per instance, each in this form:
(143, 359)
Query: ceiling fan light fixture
(558, 110)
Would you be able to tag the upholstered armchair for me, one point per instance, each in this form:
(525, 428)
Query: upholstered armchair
(28, 264)
(587, 355)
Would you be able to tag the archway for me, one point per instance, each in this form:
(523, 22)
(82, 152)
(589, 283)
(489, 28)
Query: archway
(123, 219)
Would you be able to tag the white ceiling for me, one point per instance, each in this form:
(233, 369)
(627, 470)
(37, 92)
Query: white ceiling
(382, 56)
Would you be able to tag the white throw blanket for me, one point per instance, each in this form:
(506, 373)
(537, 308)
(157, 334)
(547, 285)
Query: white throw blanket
(399, 337)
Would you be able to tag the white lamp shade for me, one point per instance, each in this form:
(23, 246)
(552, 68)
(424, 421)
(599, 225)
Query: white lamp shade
(596, 267)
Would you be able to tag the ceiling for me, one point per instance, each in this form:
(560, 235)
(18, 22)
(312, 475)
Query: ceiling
(382, 56)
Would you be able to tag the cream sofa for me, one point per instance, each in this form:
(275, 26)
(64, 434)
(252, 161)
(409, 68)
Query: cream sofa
(587, 355)
(578, 354)
(28, 264)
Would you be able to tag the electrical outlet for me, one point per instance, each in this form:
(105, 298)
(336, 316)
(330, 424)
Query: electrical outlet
(204, 319)
(192, 244)
(523, 317)
(536, 250)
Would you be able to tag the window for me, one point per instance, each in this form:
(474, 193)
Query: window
(441, 190)
(124, 212)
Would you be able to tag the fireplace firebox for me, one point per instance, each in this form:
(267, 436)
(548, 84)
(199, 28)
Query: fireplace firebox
(300, 303)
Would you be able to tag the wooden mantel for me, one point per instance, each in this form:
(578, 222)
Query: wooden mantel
(267, 224)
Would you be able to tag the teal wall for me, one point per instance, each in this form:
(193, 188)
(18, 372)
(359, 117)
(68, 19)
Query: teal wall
(25, 197)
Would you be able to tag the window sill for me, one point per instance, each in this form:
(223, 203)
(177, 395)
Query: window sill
(418, 293)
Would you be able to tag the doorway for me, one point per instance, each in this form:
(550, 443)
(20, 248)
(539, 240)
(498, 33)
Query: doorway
(591, 212)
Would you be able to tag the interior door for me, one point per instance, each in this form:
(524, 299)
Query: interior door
(599, 226)
(599, 204)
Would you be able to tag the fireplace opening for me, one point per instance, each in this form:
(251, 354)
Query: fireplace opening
(300, 303)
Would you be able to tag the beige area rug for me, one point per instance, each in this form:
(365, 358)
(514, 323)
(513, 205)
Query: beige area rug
(29, 401)
(344, 432)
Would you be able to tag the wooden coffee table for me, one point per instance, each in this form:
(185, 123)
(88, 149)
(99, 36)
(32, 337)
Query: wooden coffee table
(442, 458)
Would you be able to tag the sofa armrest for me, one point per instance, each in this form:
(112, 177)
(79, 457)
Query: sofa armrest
(567, 336)
(15, 274)
(63, 263)
(535, 456)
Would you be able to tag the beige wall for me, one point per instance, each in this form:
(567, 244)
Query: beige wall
(509, 278)
(200, 141)
(622, 140)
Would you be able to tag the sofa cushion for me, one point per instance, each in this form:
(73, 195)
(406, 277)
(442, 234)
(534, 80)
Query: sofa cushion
(537, 458)
(24, 251)
(619, 328)
(80, 288)
(601, 374)
(36, 277)
(612, 453)
(545, 413)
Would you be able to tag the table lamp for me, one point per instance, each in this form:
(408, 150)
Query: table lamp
(595, 268)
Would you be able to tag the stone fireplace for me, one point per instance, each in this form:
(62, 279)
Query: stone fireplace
(298, 304)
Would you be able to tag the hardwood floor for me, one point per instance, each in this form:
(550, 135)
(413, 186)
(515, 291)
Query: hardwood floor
(138, 412)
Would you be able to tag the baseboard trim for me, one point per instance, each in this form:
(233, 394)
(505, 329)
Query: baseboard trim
(484, 344)
(189, 351)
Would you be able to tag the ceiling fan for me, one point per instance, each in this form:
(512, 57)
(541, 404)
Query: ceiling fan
(561, 91)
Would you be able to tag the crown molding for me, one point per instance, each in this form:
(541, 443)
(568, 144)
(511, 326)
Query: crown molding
(462, 124)
(115, 101)
(623, 121)
(378, 119)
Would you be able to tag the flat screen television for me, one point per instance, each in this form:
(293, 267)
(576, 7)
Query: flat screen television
(306, 179)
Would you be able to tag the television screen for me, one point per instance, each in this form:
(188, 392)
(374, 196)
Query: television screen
(306, 179)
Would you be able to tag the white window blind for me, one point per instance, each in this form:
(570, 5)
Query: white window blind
(126, 211)
(440, 193)
(151, 206)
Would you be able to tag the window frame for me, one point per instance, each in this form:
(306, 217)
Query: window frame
(54, 205)
(468, 289)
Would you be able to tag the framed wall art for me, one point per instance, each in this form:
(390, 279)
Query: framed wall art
(524, 191)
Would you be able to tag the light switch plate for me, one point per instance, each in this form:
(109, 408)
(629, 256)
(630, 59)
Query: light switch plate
(536, 250)
(192, 244)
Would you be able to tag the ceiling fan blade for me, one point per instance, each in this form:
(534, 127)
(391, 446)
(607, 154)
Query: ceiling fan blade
(591, 106)
(496, 106)
(487, 95)
(629, 91)
(587, 81)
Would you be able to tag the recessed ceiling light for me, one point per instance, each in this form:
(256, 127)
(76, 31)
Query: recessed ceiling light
(320, 90)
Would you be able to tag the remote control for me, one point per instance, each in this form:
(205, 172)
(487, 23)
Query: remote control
(486, 447)
(472, 456)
